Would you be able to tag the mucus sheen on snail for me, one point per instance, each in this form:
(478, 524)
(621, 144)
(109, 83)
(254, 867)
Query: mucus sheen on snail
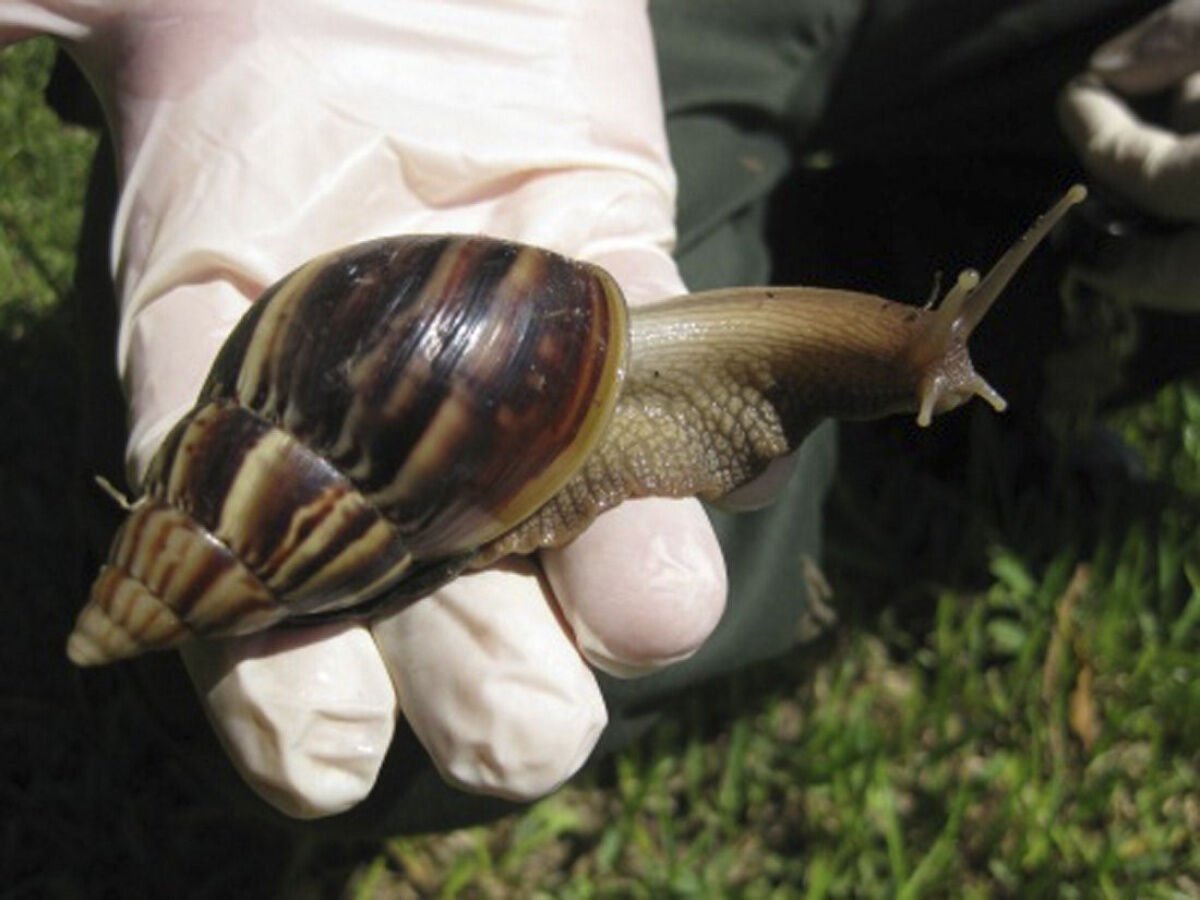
(396, 412)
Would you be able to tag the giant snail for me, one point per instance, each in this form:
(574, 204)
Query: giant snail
(396, 412)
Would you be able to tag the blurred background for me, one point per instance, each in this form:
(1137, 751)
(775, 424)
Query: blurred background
(1008, 705)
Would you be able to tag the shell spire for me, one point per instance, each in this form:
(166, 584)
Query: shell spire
(167, 581)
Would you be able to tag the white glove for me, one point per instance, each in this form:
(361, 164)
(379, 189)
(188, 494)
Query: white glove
(251, 137)
(1155, 167)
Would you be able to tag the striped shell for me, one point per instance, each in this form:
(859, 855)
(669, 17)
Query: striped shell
(375, 417)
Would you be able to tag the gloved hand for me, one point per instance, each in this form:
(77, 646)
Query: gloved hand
(1153, 166)
(251, 137)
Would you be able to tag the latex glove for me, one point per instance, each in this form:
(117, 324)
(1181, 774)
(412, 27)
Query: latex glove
(251, 137)
(1153, 166)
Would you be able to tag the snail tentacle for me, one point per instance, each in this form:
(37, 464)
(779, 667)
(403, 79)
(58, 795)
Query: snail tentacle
(1006, 267)
(949, 378)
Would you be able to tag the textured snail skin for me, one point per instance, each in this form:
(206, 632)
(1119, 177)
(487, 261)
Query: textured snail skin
(395, 412)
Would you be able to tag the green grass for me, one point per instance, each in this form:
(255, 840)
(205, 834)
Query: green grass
(1022, 718)
(1039, 740)
(42, 167)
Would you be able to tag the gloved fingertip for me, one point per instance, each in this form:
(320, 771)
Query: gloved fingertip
(306, 716)
(311, 794)
(492, 685)
(644, 586)
(538, 748)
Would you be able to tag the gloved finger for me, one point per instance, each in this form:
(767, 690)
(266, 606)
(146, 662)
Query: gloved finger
(491, 683)
(643, 586)
(1156, 169)
(306, 715)
(1155, 271)
(1154, 54)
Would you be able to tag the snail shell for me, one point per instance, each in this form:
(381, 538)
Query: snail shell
(374, 418)
(394, 412)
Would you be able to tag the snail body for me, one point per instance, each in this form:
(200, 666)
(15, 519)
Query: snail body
(395, 412)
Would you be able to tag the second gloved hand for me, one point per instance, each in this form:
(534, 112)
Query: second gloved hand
(1152, 166)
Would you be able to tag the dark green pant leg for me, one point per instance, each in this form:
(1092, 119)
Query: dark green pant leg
(743, 85)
